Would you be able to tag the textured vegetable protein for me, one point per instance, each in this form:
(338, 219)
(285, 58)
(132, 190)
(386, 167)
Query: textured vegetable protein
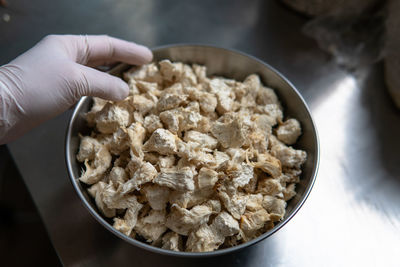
(188, 162)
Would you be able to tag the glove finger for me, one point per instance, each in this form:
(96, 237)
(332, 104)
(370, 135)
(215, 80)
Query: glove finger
(92, 82)
(95, 50)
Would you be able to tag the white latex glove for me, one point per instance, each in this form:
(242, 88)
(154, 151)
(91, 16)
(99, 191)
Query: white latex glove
(52, 76)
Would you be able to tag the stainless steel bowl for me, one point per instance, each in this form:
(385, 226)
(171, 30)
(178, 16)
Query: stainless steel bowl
(227, 63)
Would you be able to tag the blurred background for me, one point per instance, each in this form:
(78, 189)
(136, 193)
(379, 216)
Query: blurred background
(352, 217)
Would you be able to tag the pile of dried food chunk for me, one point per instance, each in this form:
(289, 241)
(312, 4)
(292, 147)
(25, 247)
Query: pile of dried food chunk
(188, 162)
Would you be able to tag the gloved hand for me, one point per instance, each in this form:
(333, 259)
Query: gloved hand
(50, 77)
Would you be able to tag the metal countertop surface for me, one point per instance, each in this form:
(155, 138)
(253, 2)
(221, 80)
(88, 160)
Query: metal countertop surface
(352, 217)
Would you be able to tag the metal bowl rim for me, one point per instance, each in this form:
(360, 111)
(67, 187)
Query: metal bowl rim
(147, 247)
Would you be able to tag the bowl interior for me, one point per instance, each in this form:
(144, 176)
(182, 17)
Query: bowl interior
(221, 62)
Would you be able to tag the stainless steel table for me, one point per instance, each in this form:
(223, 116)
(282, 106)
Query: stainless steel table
(352, 217)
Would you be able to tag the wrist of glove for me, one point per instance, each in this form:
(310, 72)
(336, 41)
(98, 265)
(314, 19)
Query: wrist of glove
(50, 77)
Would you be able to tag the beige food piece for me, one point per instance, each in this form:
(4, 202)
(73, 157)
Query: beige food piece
(232, 241)
(188, 199)
(98, 104)
(176, 89)
(142, 104)
(148, 87)
(171, 71)
(129, 221)
(229, 131)
(138, 117)
(220, 158)
(236, 205)
(122, 226)
(133, 89)
(247, 91)
(170, 101)
(251, 187)
(203, 239)
(208, 102)
(193, 93)
(254, 202)
(224, 93)
(258, 141)
(152, 226)
(177, 72)
(152, 122)
(262, 123)
(225, 184)
(172, 241)
(189, 77)
(136, 134)
(114, 199)
(180, 180)
(182, 221)
(96, 169)
(123, 159)
(151, 157)
(148, 73)
(269, 186)
(96, 191)
(225, 224)
(172, 119)
(289, 131)
(156, 195)
(134, 164)
(268, 164)
(266, 96)
(144, 174)
(111, 117)
(118, 175)
(273, 111)
(250, 222)
(159, 160)
(247, 101)
(292, 175)
(242, 176)
(153, 98)
(203, 140)
(104, 139)
(204, 125)
(192, 152)
(88, 148)
(193, 106)
(201, 73)
(215, 205)
(161, 141)
(275, 206)
(184, 163)
(166, 162)
(288, 156)
(251, 84)
(289, 192)
(260, 132)
(118, 142)
(180, 119)
(207, 178)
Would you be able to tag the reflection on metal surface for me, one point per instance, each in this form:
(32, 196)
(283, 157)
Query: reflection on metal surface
(341, 208)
